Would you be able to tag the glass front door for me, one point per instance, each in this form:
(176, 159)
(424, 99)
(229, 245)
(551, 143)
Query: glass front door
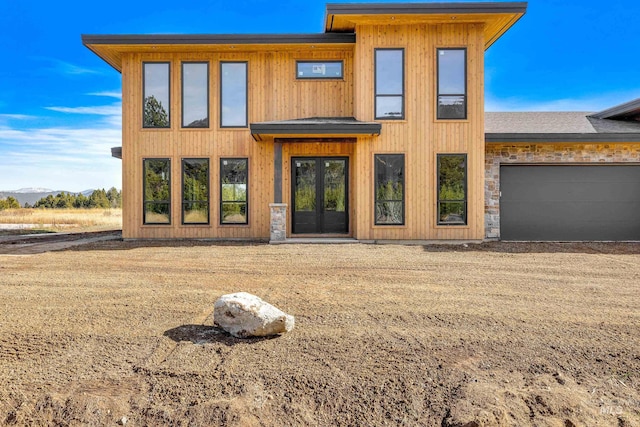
(320, 195)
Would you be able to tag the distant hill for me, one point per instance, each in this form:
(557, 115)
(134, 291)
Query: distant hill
(32, 195)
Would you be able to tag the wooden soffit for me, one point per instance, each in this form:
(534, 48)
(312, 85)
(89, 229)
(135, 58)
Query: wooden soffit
(496, 17)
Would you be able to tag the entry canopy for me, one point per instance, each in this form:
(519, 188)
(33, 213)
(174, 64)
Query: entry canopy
(341, 127)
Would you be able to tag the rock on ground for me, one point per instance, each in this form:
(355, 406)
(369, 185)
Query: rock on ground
(245, 315)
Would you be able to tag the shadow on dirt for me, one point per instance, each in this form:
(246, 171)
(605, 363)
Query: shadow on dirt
(613, 248)
(203, 334)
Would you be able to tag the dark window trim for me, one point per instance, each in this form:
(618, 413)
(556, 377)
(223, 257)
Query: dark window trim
(246, 196)
(333, 61)
(375, 84)
(144, 94)
(144, 195)
(246, 101)
(183, 202)
(466, 193)
(466, 85)
(182, 64)
(375, 189)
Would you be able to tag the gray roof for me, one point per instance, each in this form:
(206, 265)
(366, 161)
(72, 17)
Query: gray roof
(160, 39)
(557, 127)
(425, 8)
(627, 111)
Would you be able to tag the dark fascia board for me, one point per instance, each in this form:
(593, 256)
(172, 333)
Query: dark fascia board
(424, 8)
(161, 39)
(619, 110)
(116, 152)
(541, 138)
(315, 129)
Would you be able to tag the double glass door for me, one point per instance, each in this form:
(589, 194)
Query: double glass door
(320, 195)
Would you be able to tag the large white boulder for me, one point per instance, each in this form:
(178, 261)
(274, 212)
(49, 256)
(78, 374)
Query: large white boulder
(245, 315)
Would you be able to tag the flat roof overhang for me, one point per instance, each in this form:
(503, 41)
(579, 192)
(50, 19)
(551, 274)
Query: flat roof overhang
(554, 138)
(111, 47)
(116, 152)
(497, 17)
(334, 127)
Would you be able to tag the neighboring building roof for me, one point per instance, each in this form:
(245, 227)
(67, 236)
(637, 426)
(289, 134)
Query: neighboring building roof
(111, 47)
(523, 127)
(627, 111)
(497, 17)
(313, 126)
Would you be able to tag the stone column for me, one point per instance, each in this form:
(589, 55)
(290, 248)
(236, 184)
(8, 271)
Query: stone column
(278, 222)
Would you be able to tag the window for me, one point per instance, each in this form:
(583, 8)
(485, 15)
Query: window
(157, 191)
(389, 187)
(233, 191)
(319, 70)
(156, 105)
(389, 85)
(452, 83)
(195, 191)
(452, 189)
(195, 95)
(233, 94)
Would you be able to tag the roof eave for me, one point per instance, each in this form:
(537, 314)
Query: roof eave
(541, 138)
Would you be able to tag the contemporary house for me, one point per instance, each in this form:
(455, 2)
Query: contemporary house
(373, 130)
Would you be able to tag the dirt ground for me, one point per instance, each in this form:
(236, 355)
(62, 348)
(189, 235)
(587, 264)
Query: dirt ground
(492, 334)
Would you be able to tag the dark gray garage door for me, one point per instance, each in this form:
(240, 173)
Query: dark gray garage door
(580, 202)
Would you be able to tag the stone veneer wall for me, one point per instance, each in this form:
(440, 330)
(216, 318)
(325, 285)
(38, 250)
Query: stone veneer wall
(497, 154)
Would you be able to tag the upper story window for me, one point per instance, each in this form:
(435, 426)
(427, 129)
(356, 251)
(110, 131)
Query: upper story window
(156, 105)
(233, 94)
(452, 189)
(389, 83)
(319, 70)
(389, 187)
(157, 191)
(195, 94)
(452, 83)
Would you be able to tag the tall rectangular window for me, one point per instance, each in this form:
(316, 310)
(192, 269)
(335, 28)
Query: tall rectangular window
(452, 189)
(195, 191)
(195, 94)
(389, 83)
(452, 83)
(389, 188)
(233, 94)
(234, 177)
(157, 191)
(156, 105)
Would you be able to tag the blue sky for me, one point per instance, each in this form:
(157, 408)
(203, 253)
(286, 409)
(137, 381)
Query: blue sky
(60, 104)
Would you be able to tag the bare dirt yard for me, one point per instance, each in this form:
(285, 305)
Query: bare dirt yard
(492, 334)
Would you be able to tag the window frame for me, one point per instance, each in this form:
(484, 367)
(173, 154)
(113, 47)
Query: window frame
(466, 85)
(333, 61)
(144, 92)
(182, 103)
(375, 190)
(144, 195)
(246, 222)
(246, 100)
(183, 202)
(466, 193)
(375, 84)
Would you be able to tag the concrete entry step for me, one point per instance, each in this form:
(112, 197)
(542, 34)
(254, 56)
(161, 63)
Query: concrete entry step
(315, 240)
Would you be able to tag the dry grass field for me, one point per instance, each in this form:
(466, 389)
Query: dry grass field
(27, 221)
(494, 334)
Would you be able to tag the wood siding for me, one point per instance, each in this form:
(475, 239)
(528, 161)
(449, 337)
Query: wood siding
(273, 94)
(420, 137)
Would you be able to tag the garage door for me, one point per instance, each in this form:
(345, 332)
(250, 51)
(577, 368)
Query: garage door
(568, 203)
